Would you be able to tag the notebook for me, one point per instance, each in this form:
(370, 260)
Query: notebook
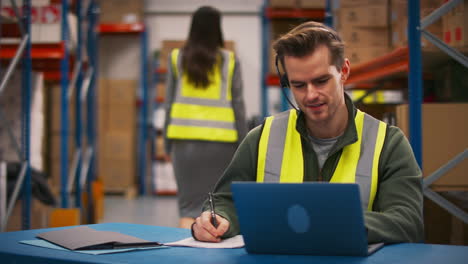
(305, 218)
(86, 238)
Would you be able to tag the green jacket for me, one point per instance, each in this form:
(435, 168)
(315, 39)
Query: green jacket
(397, 209)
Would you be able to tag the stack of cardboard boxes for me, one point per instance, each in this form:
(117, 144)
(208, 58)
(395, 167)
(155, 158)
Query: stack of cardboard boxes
(364, 27)
(442, 140)
(117, 115)
(117, 102)
(455, 26)
(399, 22)
(120, 11)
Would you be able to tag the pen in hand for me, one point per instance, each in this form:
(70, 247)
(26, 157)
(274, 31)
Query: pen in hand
(212, 209)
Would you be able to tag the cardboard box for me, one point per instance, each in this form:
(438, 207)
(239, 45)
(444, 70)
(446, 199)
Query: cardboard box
(118, 145)
(39, 216)
(101, 92)
(372, 15)
(399, 20)
(121, 11)
(460, 27)
(355, 3)
(451, 82)
(117, 108)
(283, 3)
(363, 54)
(366, 37)
(121, 91)
(319, 4)
(160, 148)
(443, 137)
(117, 174)
(121, 117)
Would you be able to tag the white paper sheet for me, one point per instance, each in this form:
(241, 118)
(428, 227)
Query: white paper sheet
(233, 242)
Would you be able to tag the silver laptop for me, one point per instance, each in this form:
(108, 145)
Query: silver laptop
(305, 218)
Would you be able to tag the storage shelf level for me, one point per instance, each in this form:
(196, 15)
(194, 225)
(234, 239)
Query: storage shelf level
(121, 28)
(38, 51)
(294, 13)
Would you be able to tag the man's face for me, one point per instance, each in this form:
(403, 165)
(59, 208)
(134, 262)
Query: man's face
(317, 85)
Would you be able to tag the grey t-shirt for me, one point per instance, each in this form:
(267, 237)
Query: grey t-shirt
(322, 147)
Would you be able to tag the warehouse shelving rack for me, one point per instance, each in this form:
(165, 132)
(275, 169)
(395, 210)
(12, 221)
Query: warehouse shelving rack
(54, 60)
(408, 60)
(77, 74)
(84, 78)
(23, 184)
(415, 69)
(143, 100)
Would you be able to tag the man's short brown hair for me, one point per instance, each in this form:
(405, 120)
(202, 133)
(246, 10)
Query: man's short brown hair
(305, 38)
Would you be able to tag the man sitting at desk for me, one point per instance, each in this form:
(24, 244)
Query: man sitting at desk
(332, 141)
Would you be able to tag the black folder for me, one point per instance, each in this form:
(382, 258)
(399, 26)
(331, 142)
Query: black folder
(86, 238)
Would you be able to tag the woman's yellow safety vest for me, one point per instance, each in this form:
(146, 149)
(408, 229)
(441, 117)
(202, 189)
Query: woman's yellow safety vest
(203, 114)
(280, 156)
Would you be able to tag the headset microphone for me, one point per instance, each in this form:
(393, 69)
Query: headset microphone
(284, 83)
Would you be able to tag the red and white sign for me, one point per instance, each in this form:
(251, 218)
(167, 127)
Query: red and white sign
(50, 14)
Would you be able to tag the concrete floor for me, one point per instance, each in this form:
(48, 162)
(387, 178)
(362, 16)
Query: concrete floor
(147, 210)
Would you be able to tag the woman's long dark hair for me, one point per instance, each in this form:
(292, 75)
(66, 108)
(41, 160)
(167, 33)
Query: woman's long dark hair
(203, 44)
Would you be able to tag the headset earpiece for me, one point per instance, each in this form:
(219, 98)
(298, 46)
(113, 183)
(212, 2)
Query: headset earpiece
(284, 81)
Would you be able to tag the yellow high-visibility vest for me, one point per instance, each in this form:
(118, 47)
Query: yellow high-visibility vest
(204, 114)
(280, 156)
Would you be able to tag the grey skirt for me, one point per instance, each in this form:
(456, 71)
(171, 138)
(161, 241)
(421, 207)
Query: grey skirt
(197, 166)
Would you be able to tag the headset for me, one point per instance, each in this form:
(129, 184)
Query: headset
(284, 83)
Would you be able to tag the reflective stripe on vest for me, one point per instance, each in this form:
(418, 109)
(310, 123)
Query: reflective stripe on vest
(280, 154)
(203, 114)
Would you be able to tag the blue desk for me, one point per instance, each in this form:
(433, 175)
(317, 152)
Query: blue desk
(13, 252)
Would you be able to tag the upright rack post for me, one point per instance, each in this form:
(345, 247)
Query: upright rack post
(92, 44)
(64, 109)
(265, 62)
(26, 116)
(143, 112)
(415, 79)
(78, 108)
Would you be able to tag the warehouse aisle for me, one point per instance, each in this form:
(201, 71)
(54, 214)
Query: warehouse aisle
(147, 210)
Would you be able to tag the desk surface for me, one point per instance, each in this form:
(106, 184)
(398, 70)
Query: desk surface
(13, 252)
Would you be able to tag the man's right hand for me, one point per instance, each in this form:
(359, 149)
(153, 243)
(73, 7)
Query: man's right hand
(203, 229)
